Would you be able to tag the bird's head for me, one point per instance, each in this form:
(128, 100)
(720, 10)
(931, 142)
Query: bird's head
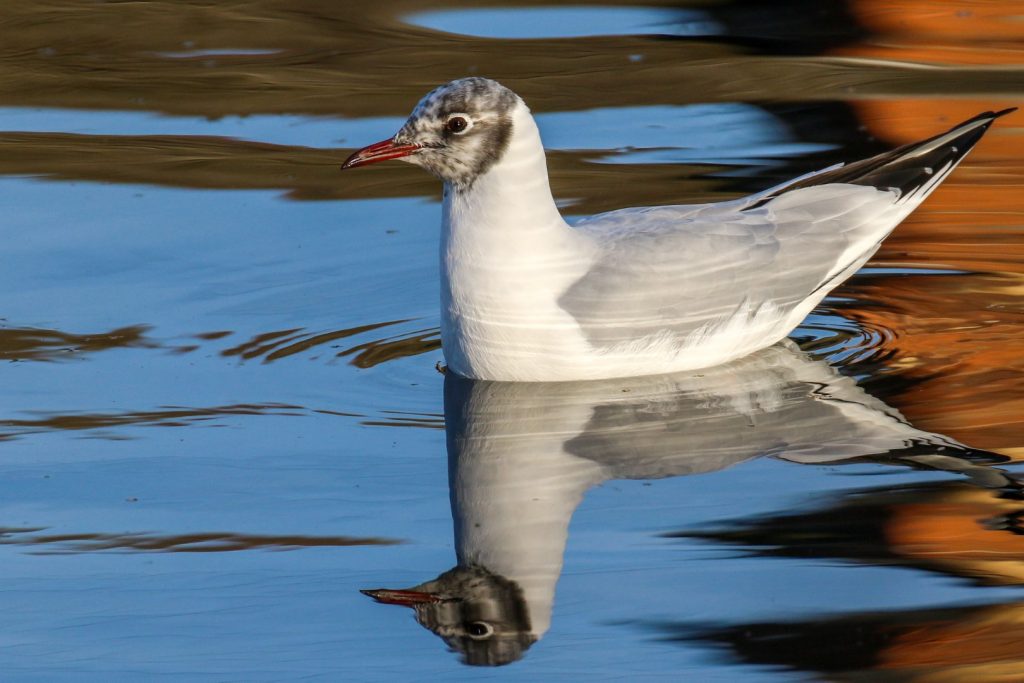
(477, 613)
(457, 132)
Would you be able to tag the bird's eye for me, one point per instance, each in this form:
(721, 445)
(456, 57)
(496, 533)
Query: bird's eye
(456, 124)
(478, 630)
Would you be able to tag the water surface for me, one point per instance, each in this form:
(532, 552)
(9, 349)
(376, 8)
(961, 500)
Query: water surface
(220, 414)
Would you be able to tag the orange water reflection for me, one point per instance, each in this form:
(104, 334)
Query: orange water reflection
(948, 528)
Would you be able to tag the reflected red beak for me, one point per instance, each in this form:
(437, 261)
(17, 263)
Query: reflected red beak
(402, 597)
(379, 151)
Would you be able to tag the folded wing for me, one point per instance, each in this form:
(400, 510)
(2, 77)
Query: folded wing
(743, 271)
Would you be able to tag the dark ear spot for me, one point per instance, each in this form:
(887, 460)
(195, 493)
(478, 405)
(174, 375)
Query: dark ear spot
(496, 143)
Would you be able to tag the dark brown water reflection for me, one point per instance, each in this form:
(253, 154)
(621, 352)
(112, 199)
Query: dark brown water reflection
(945, 528)
(180, 250)
(63, 544)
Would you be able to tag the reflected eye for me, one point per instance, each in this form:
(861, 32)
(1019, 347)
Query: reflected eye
(456, 124)
(478, 630)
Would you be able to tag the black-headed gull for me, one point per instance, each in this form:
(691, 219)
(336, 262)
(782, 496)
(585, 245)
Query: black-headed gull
(526, 297)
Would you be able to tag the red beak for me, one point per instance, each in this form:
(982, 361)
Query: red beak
(402, 597)
(379, 151)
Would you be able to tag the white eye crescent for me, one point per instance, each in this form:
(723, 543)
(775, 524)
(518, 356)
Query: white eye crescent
(479, 630)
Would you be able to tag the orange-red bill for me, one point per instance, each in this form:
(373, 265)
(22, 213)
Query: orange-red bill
(402, 597)
(379, 151)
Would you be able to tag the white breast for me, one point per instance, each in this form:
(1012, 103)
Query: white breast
(506, 253)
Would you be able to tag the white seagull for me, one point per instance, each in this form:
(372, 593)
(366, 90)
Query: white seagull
(638, 291)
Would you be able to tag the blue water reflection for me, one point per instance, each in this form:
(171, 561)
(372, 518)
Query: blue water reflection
(709, 133)
(220, 417)
(307, 131)
(567, 22)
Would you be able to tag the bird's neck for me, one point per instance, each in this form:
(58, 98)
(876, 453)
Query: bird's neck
(510, 207)
(513, 519)
(506, 254)
(513, 486)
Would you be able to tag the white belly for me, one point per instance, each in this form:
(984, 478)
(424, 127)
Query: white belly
(536, 341)
(507, 326)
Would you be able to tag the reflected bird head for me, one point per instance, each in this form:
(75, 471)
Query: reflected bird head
(479, 614)
(457, 132)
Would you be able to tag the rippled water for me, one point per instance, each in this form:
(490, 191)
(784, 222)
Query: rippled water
(217, 346)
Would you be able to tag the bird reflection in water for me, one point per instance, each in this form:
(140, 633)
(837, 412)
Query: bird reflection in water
(522, 455)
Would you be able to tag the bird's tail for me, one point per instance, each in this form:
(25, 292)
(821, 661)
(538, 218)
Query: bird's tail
(913, 170)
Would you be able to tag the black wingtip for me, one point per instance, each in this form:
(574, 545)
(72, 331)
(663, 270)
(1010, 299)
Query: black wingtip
(905, 168)
(986, 116)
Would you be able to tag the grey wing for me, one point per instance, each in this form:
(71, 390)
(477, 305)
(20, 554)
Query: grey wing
(680, 271)
(689, 271)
